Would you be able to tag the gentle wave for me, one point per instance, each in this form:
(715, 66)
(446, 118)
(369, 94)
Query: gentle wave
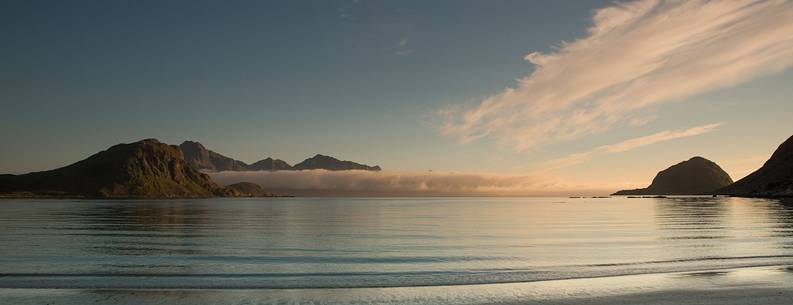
(322, 280)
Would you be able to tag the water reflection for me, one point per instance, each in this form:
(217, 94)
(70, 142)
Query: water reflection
(781, 211)
(144, 228)
(696, 218)
(387, 242)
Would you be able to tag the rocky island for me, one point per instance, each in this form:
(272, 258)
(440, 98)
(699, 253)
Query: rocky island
(696, 176)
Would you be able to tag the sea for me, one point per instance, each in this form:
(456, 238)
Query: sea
(455, 250)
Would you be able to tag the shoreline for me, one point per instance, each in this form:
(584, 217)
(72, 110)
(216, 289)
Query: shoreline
(756, 285)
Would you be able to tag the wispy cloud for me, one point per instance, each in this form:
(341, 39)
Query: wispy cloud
(635, 56)
(390, 183)
(627, 145)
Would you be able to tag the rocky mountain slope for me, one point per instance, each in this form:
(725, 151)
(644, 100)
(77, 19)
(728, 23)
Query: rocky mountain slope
(203, 159)
(773, 179)
(144, 169)
(246, 189)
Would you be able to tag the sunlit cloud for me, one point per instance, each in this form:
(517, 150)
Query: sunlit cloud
(635, 57)
(390, 183)
(629, 144)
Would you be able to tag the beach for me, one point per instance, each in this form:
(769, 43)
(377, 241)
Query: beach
(763, 285)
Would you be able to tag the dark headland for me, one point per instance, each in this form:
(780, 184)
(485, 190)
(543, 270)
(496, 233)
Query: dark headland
(143, 169)
(696, 176)
(773, 179)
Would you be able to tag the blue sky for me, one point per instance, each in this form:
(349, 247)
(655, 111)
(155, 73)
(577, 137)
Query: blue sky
(361, 80)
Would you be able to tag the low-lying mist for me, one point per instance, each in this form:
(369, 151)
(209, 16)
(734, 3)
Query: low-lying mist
(390, 183)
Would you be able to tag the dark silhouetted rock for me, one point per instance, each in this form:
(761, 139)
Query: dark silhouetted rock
(144, 169)
(203, 159)
(270, 164)
(246, 189)
(697, 176)
(774, 179)
(333, 164)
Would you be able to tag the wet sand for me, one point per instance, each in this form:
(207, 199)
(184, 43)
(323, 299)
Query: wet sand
(762, 285)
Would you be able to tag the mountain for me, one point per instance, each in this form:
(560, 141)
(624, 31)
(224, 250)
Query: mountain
(201, 158)
(270, 164)
(246, 189)
(144, 169)
(204, 159)
(773, 179)
(693, 177)
(333, 164)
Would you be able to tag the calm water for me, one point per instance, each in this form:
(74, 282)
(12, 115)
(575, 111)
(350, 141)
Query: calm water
(352, 243)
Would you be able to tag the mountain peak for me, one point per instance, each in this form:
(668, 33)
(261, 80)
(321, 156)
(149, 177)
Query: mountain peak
(192, 144)
(320, 161)
(270, 164)
(203, 159)
(692, 177)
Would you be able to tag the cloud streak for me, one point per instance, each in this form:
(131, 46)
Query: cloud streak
(389, 183)
(635, 57)
(629, 144)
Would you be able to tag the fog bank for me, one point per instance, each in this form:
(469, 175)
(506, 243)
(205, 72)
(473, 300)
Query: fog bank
(391, 183)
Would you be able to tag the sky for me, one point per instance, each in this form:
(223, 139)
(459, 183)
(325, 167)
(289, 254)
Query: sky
(537, 96)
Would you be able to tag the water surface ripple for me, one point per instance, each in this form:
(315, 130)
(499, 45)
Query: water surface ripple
(379, 242)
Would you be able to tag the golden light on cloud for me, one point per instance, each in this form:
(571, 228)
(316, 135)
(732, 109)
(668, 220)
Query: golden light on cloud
(636, 56)
(629, 144)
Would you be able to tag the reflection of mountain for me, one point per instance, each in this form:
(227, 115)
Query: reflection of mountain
(146, 228)
(693, 177)
(774, 179)
(692, 218)
(782, 226)
(696, 227)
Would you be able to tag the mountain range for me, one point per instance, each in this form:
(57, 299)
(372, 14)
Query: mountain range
(202, 158)
(150, 169)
